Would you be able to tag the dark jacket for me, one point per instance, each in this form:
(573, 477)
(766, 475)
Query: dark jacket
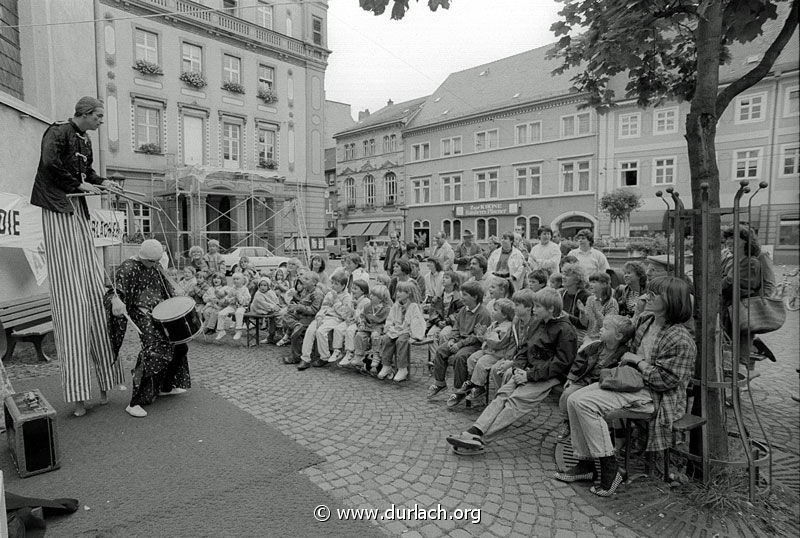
(464, 327)
(392, 254)
(66, 155)
(551, 350)
(587, 364)
(464, 253)
(441, 316)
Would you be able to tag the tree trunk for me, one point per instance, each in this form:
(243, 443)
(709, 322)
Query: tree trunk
(701, 128)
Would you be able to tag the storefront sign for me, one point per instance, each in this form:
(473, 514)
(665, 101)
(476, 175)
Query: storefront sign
(482, 209)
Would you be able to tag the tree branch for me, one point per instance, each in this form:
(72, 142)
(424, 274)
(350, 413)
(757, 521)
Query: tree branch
(764, 66)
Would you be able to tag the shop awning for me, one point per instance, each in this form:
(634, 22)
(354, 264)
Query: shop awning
(354, 229)
(376, 228)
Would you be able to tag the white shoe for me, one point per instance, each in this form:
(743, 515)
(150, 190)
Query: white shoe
(347, 360)
(237, 335)
(136, 411)
(385, 372)
(174, 392)
(335, 356)
(220, 335)
(401, 375)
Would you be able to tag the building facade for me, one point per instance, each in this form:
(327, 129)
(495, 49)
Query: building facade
(500, 148)
(371, 174)
(216, 111)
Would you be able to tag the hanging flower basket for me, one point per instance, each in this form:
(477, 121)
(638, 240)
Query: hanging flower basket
(147, 68)
(194, 79)
(233, 87)
(150, 149)
(267, 95)
(270, 164)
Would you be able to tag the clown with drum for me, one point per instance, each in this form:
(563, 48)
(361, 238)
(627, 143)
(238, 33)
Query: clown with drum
(162, 368)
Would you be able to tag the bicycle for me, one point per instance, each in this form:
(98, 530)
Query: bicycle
(789, 289)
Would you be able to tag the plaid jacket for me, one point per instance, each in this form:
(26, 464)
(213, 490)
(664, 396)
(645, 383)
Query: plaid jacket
(666, 374)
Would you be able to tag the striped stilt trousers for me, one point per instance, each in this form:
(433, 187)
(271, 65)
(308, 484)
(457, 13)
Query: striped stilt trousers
(79, 320)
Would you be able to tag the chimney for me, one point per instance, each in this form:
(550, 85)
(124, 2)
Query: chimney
(363, 114)
(389, 102)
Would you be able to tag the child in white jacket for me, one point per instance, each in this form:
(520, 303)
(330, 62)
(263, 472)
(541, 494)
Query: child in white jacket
(237, 299)
(404, 322)
(344, 335)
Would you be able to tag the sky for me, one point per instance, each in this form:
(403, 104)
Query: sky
(375, 59)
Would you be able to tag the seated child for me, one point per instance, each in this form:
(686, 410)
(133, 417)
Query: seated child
(537, 279)
(249, 273)
(598, 305)
(498, 342)
(344, 335)
(266, 303)
(521, 330)
(337, 306)
(498, 288)
(237, 299)
(202, 283)
(463, 341)
(298, 315)
(615, 332)
(384, 280)
(188, 280)
(555, 281)
(405, 321)
(443, 311)
(213, 300)
(370, 329)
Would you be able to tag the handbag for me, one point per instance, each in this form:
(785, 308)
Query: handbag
(621, 379)
(760, 314)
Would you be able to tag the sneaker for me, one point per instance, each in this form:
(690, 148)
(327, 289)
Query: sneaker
(319, 363)
(563, 431)
(335, 356)
(136, 411)
(385, 372)
(304, 365)
(283, 341)
(584, 471)
(401, 375)
(347, 360)
(434, 389)
(455, 399)
(465, 388)
(174, 392)
(466, 440)
(220, 335)
(237, 335)
(264, 340)
(476, 394)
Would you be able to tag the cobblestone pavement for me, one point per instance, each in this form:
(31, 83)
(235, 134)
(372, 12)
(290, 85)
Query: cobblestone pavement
(384, 445)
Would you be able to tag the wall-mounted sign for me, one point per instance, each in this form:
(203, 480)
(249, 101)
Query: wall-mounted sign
(481, 209)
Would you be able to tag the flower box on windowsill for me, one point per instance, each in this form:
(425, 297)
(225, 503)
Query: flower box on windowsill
(267, 95)
(233, 87)
(194, 79)
(149, 149)
(147, 68)
(269, 164)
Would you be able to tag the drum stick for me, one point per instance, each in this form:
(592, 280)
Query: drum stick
(138, 331)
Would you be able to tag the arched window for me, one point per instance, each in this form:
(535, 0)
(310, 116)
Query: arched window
(521, 226)
(533, 227)
(369, 191)
(421, 231)
(390, 188)
(491, 226)
(350, 192)
(480, 229)
(386, 144)
(452, 228)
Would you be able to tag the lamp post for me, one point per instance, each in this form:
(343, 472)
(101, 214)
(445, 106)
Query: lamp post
(119, 179)
(404, 210)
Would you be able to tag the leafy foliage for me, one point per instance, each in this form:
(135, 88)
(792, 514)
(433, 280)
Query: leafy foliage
(267, 94)
(150, 148)
(233, 87)
(399, 7)
(147, 68)
(194, 79)
(620, 203)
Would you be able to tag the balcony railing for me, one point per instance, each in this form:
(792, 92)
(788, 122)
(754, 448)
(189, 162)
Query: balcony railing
(195, 12)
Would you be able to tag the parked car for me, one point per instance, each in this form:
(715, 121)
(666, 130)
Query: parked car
(338, 247)
(380, 246)
(260, 258)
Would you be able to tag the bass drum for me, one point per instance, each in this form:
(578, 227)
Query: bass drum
(177, 319)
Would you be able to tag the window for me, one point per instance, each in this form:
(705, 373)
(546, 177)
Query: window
(372, 146)
(141, 217)
(576, 125)
(146, 46)
(266, 76)
(231, 69)
(575, 176)
(750, 108)
(421, 231)
(369, 191)
(486, 184)
(629, 125)
(629, 173)
(193, 132)
(420, 152)
(289, 26)
(349, 151)
(529, 180)
(665, 121)
(789, 230)
(264, 15)
(664, 171)
(350, 192)
(393, 142)
(747, 164)
(192, 58)
(790, 157)
(520, 226)
(486, 140)
(366, 147)
(231, 145)
(452, 228)
(451, 188)
(390, 188)
(266, 144)
(316, 30)
(533, 227)
(791, 104)
(528, 132)
(422, 190)
(386, 146)
(451, 146)
(484, 228)
(148, 125)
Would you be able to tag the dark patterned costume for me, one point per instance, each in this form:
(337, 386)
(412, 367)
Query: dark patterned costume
(160, 366)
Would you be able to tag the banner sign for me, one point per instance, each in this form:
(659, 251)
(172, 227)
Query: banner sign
(490, 209)
(20, 223)
(107, 226)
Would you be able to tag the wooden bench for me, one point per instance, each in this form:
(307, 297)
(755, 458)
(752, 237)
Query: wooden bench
(28, 319)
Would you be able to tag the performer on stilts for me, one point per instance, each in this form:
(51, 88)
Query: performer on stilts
(75, 273)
